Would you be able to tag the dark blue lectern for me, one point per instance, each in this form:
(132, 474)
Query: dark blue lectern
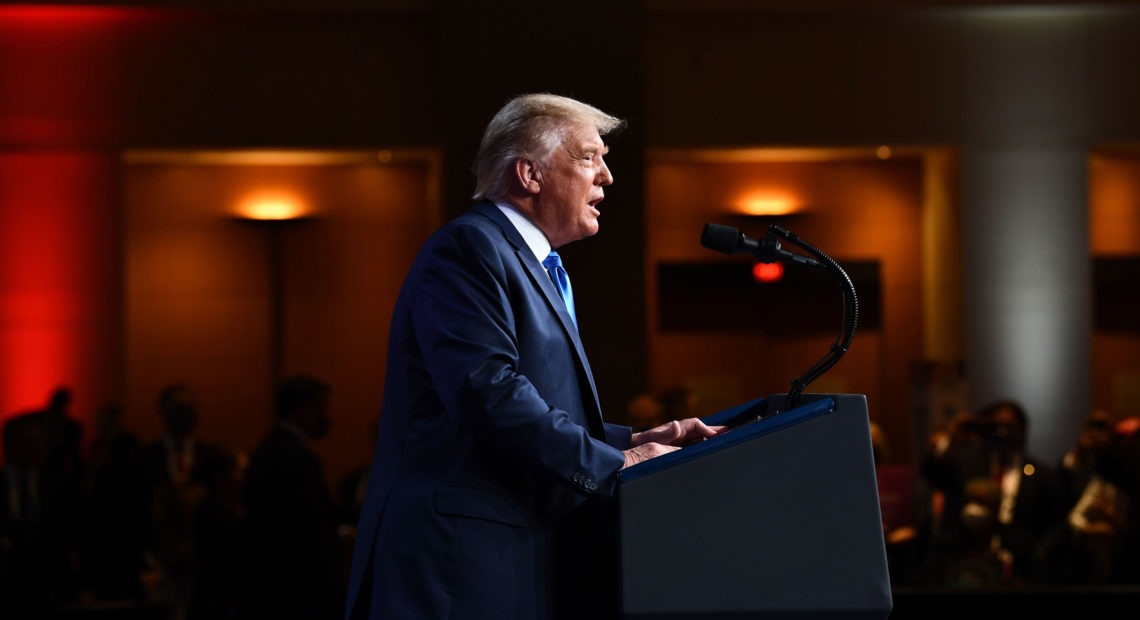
(776, 518)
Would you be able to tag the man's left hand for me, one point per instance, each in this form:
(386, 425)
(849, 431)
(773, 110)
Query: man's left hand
(677, 432)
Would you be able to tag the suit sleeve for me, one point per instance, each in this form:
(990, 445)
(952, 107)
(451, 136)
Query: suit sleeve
(466, 329)
(618, 436)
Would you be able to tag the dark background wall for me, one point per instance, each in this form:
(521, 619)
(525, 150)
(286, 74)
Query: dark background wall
(84, 84)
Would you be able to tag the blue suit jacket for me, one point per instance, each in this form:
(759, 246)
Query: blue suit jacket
(491, 435)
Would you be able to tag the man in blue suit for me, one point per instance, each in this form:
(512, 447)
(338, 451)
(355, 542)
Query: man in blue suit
(488, 493)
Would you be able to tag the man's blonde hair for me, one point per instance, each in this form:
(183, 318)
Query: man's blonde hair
(529, 127)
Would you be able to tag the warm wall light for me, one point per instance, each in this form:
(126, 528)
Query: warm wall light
(272, 205)
(765, 204)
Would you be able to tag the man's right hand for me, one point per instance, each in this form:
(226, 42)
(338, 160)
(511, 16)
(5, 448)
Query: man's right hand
(644, 452)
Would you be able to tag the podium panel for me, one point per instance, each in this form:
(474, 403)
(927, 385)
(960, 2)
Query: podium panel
(776, 518)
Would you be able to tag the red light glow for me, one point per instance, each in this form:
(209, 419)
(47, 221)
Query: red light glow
(59, 15)
(64, 72)
(62, 75)
(766, 273)
(57, 274)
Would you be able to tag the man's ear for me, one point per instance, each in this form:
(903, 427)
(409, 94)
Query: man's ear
(528, 175)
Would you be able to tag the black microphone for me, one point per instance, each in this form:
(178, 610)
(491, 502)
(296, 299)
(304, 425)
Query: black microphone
(729, 240)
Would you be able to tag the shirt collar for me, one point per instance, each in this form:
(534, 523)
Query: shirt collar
(293, 429)
(531, 234)
(186, 446)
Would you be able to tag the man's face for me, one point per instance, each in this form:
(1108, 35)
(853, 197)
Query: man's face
(572, 181)
(313, 418)
(1008, 435)
(181, 415)
(322, 422)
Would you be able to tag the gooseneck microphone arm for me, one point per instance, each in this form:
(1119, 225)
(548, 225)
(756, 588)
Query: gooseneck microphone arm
(730, 241)
(847, 326)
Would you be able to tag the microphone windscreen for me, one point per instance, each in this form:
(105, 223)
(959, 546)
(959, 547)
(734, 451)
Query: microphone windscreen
(720, 238)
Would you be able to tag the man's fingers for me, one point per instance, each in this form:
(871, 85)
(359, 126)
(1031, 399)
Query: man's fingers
(645, 452)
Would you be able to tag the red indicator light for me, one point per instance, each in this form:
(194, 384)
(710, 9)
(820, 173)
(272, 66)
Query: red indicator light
(766, 273)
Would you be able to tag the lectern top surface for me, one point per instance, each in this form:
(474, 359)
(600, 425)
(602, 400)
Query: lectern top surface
(745, 423)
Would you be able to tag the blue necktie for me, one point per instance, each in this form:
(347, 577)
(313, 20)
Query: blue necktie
(553, 264)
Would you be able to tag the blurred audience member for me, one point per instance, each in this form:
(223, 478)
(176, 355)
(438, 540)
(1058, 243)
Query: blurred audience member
(38, 504)
(902, 505)
(1080, 464)
(1097, 508)
(645, 412)
(293, 564)
(175, 470)
(678, 403)
(350, 500)
(1001, 508)
(1120, 467)
(350, 487)
(66, 434)
(63, 434)
(218, 577)
(112, 536)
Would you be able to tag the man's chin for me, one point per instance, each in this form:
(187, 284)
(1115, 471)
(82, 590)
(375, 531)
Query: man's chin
(587, 229)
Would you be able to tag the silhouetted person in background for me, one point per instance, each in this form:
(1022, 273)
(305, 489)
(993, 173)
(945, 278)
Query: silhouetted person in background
(175, 469)
(1002, 510)
(1097, 506)
(677, 403)
(901, 503)
(1105, 518)
(1122, 466)
(114, 515)
(66, 432)
(38, 504)
(62, 433)
(350, 490)
(645, 412)
(350, 487)
(293, 566)
(219, 575)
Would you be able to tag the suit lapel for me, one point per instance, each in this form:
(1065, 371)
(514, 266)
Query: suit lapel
(541, 280)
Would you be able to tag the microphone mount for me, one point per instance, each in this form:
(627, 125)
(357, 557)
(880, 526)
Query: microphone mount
(730, 241)
(767, 250)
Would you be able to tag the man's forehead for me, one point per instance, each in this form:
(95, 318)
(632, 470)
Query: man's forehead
(580, 148)
(584, 136)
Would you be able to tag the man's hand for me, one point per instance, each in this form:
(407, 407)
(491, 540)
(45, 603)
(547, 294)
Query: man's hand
(644, 452)
(677, 433)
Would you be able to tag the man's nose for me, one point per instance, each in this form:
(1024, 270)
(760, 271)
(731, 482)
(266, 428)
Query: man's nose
(605, 177)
